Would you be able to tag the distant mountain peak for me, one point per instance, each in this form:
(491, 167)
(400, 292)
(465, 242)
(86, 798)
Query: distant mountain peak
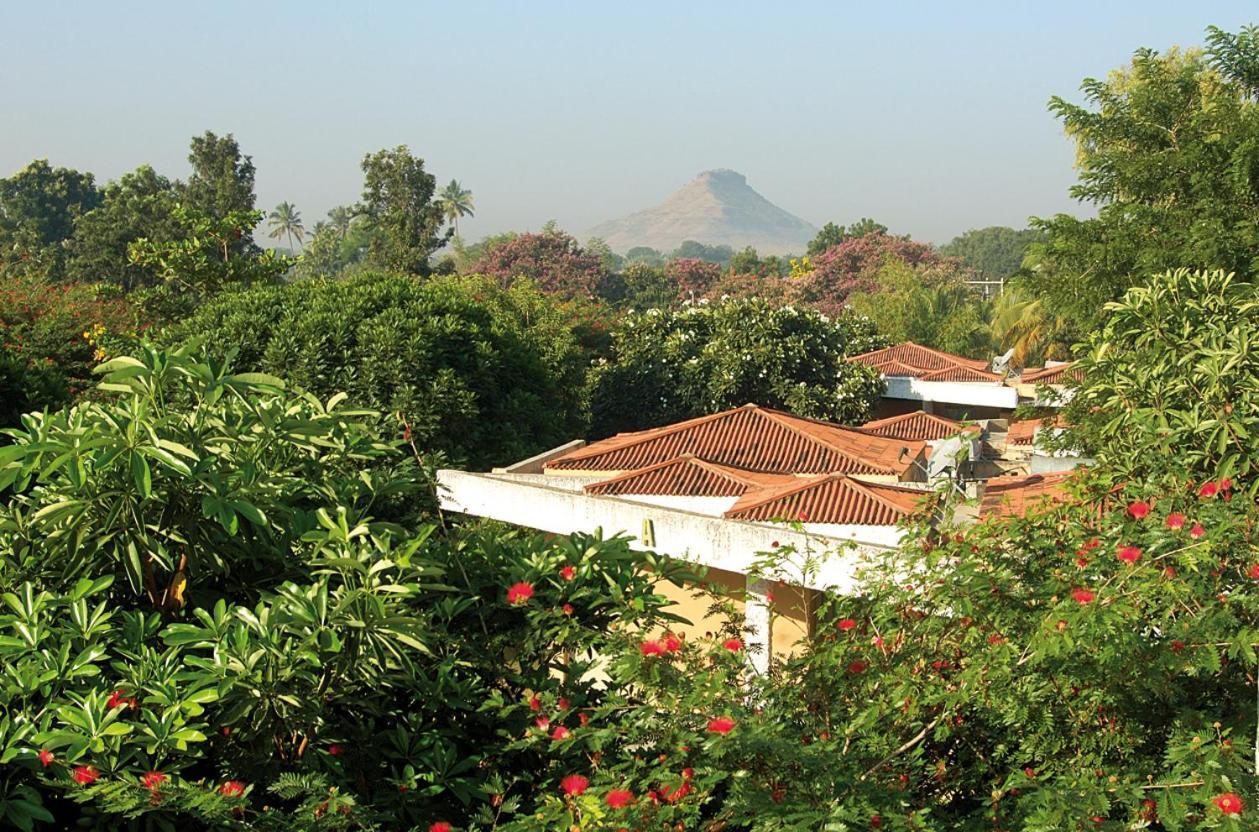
(717, 207)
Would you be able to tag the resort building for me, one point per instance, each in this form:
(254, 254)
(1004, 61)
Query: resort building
(724, 491)
(939, 383)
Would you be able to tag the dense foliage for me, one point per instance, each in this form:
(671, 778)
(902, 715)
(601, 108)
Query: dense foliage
(995, 253)
(930, 305)
(552, 259)
(667, 366)
(1174, 373)
(1168, 151)
(50, 338)
(482, 374)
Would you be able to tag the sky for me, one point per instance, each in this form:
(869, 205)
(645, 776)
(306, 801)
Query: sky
(929, 117)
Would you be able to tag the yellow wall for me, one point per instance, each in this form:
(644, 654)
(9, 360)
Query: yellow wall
(792, 616)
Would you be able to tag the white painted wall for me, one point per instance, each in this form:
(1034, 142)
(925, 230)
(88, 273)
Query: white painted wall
(975, 393)
(887, 536)
(711, 541)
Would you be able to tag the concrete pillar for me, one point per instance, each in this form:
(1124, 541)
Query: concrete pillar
(758, 623)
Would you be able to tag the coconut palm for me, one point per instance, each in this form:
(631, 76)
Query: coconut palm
(455, 202)
(1020, 322)
(339, 219)
(286, 221)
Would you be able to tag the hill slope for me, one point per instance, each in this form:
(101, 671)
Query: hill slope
(717, 207)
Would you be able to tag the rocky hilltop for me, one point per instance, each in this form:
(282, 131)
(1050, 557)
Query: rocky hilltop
(717, 207)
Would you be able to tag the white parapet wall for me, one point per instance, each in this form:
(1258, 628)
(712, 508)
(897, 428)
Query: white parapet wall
(974, 393)
(732, 545)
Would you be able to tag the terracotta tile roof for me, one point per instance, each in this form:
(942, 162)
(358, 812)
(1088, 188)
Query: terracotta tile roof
(962, 374)
(917, 425)
(1050, 375)
(833, 498)
(923, 359)
(1014, 496)
(687, 476)
(1023, 432)
(751, 438)
(919, 361)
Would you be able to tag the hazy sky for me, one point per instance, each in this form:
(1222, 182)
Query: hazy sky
(930, 117)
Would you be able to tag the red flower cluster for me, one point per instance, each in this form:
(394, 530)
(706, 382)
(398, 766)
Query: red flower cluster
(1083, 596)
(46, 757)
(721, 725)
(153, 780)
(1139, 510)
(574, 784)
(440, 826)
(85, 775)
(519, 593)
(1229, 803)
(118, 699)
(734, 645)
(1197, 531)
(619, 798)
(857, 666)
(1129, 554)
(560, 733)
(670, 643)
(846, 624)
(568, 573)
(232, 788)
(1175, 520)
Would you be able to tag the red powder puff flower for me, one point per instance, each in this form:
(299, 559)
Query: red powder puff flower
(996, 638)
(232, 788)
(1129, 554)
(652, 647)
(734, 645)
(1197, 531)
(119, 699)
(519, 593)
(672, 643)
(1082, 562)
(1254, 571)
(1178, 646)
(440, 826)
(1175, 521)
(1229, 804)
(1030, 772)
(876, 821)
(85, 775)
(46, 757)
(688, 773)
(1208, 489)
(1092, 544)
(846, 624)
(560, 733)
(153, 780)
(567, 609)
(1139, 510)
(336, 749)
(563, 703)
(574, 784)
(543, 722)
(857, 667)
(619, 798)
(584, 719)
(535, 704)
(1083, 596)
(568, 573)
(1226, 484)
(720, 725)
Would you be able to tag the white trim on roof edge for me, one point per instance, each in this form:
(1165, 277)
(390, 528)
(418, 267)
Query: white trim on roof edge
(975, 393)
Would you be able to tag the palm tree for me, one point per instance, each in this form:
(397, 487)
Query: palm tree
(286, 221)
(455, 202)
(1021, 323)
(339, 219)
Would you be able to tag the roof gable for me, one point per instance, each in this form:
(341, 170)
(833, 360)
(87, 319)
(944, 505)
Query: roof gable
(754, 439)
(832, 498)
(1058, 374)
(917, 425)
(1015, 496)
(686, 476)
(909, 358)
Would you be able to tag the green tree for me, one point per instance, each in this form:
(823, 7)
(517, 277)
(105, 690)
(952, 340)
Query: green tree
(1168, 151)
(286, 221)
(667, 366)
(38, 208)
(995, 252)
(140, 205)
(455, 201)
(481, 374)
(222, 179)
(398, 202)
(1026, 325)
(831, 235)
(930, 305)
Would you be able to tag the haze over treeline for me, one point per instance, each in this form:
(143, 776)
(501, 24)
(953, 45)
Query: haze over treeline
(933, 121)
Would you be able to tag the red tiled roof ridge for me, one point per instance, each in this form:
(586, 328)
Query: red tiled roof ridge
(835, 439)
(770, 494)
(738, 476)
(940, 355)
(1030, 375)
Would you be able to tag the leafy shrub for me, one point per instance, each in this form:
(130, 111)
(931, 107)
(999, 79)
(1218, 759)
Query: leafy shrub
(482, 374)
(1171, 384)
(672, 365)
(50, 338)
